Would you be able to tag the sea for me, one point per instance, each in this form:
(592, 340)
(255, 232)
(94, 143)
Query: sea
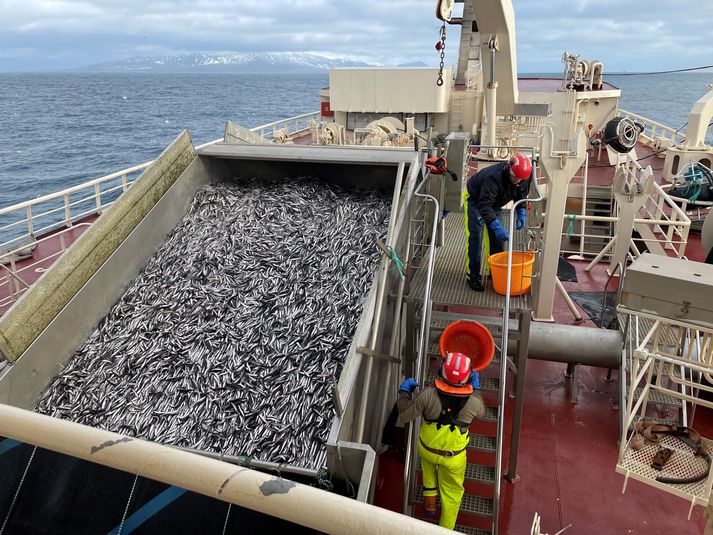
(61, 129)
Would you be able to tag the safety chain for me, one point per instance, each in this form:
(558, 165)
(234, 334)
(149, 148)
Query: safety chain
(441, 47)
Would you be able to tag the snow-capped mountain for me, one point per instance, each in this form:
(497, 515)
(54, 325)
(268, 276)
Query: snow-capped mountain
(258, 63)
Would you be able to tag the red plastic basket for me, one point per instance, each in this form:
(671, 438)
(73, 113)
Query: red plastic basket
(470, 338)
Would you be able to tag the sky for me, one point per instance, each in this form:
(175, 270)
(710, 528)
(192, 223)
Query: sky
(626, 35)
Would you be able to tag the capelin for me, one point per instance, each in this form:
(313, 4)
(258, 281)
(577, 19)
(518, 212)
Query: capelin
(231, 337)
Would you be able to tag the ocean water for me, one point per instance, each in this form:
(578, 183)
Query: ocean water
(60, 129)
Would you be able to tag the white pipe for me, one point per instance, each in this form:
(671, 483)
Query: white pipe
(568, 300)
(301, 504)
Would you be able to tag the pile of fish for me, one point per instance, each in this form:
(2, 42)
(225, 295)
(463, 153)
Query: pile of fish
(233, 335)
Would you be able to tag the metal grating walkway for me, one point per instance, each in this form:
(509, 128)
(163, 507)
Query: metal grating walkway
(481, 443)
(475, 505)
(449, 280)
(476, 472)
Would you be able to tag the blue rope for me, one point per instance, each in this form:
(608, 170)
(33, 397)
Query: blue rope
(570, 225)
(397, 261)
(694, 180)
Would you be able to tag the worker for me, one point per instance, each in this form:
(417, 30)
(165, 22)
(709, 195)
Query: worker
(447, 408)
(486, 193)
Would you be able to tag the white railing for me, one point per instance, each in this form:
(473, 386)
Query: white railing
(15, 280)
(26, 224)
(654, 130)
(289, 127)
(662, 224)
(666, 221)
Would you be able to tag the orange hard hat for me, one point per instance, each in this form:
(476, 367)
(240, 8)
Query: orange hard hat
(521, 166)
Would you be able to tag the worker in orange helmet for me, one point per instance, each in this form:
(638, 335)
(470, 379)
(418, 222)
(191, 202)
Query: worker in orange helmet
(447, 408)
(487, 192)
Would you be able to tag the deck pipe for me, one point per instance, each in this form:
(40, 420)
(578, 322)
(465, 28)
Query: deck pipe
(301, 504)
(573, 345)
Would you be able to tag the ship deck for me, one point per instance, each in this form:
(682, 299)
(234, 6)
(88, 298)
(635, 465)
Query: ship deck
(568, 450)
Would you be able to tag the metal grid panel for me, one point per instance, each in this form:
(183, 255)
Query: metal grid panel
(476, 505)
(449, 281)
(475, 472)
(480, 473)
(481, 443)
(681, 464)
(491, 414)
(657, 396)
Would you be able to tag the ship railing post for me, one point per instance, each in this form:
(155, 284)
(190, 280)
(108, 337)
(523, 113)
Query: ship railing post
(98, 198)
(28, 211)
(67, 211)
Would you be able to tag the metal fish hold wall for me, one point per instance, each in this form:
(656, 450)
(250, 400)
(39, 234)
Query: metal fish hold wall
(232, 336)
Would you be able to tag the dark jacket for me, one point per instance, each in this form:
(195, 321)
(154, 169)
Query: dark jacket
(491, 189)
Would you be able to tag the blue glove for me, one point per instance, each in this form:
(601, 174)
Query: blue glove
(475, 380)
(500, 233)
(521, 217)
(409, 385)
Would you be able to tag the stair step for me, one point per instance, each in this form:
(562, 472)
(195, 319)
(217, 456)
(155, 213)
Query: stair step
(656, 396)
(468, 530)
(471, 504)
(476, 472)
(491, 414)
(481, 443)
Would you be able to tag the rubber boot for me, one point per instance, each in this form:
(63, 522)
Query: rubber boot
(429, 504)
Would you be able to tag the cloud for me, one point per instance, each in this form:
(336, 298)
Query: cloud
(634, 35)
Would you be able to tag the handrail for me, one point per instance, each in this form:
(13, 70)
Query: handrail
(420, 372)
(504, 343)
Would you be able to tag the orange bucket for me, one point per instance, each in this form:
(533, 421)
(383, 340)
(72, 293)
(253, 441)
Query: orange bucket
(520, 280)
(470, 338)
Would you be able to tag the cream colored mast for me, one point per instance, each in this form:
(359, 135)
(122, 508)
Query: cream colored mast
(495, 20)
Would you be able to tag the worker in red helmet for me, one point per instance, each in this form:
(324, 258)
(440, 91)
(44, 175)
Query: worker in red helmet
(487, 192)
(447, 409)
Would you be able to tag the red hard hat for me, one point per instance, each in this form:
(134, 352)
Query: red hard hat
(521, 166)
(456, 368)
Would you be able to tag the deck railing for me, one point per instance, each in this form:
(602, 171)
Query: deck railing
(23, 226)
(423, 235)
(289, 127)
(663, 225)
(654, 130)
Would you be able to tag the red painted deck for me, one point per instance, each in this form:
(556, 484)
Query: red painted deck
(568, 454)
(48, 247)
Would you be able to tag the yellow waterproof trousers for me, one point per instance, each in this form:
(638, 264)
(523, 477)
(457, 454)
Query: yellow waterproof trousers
(476, 238)
(443, 475)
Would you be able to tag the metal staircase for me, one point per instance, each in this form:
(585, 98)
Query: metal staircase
(480, 505)
(597, 234)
